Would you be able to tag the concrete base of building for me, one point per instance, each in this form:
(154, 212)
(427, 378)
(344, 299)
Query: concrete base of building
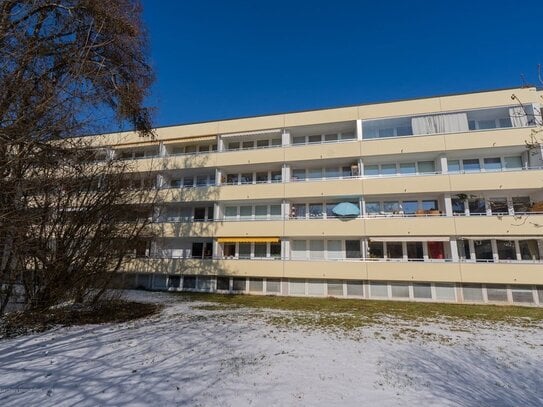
(523, 295)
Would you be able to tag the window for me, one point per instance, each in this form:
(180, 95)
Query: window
(430, 205)
(314, 139)
(330, 210)
(261, 211)
(330, 137)
(199, 214)
(376, 250)
(453, 166)
(355, 288)
(298, 140)
(275, 250)
(458, 206)
(386, 132)
(296, 287)
(231, 212)
(498, 206)
(391, 206)
(210, 210)
(483, 250)
(315, 210)
(410, 207)
(247, 145)
(436, 250)
(298, 250)
(246, 178)
(496, 293)
(261, 177)
(260, 250)
(408, 168)
(275, 211)
(445, 292)
(239, 284)
(245, 212)
(373, 207)
(229, 250)
(414, 251)
(334, 249)
(190, 149)
(513, 163)
(472, 165)
(276, 142)
(492, 164)
(399, 290)
(314, 173)
(188, 182)
(378, 290)
(197, 250)
(506, 250)
(348, 136)
(245, 250)
(298, 175)
(276, 176)
(371, 170)
(174, 281)
(505, 122)
(256, 285)
(426, 167)
(521, 204)
(203, 149)
(232, 179)
(388, 169)
(352, 249)
(316, 249)
(529, 250)
(472, 293)
(333, 172)
(522, 294)
(189, 282)
(263, 143)
(421, 290)
(394, 250)
(335, 287)
(463, 249)
(404, 131)
(273, 285)
(201, 180)
(298, 211)
(315, 287)
(223, 283)
(476, 206)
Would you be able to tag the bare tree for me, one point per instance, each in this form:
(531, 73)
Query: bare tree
(66, 67)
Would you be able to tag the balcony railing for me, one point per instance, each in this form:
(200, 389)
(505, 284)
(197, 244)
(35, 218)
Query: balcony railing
(167, 256)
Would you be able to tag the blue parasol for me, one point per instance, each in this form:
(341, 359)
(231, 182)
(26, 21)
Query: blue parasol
(346, 209)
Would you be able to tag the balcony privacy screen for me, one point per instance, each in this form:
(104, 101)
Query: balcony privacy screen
(518, 116)
(440, 123)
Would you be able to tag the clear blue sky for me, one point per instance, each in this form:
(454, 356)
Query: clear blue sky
(220, 59)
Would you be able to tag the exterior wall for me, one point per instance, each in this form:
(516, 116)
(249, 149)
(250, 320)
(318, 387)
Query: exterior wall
(439, 185)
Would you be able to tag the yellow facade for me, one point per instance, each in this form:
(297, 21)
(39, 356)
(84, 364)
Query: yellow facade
(445, 188)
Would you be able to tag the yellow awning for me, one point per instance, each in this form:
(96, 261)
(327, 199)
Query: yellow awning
(248, 240)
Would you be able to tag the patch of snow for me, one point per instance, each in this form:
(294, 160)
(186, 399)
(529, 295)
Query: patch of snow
(234, 357)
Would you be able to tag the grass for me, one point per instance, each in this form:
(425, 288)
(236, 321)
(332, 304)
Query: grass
(21, 323)
(371, 310)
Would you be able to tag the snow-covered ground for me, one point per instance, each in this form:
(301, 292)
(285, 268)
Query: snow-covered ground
(236, 357)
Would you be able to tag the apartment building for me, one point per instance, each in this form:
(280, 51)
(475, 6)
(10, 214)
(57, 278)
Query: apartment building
(434, 199)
